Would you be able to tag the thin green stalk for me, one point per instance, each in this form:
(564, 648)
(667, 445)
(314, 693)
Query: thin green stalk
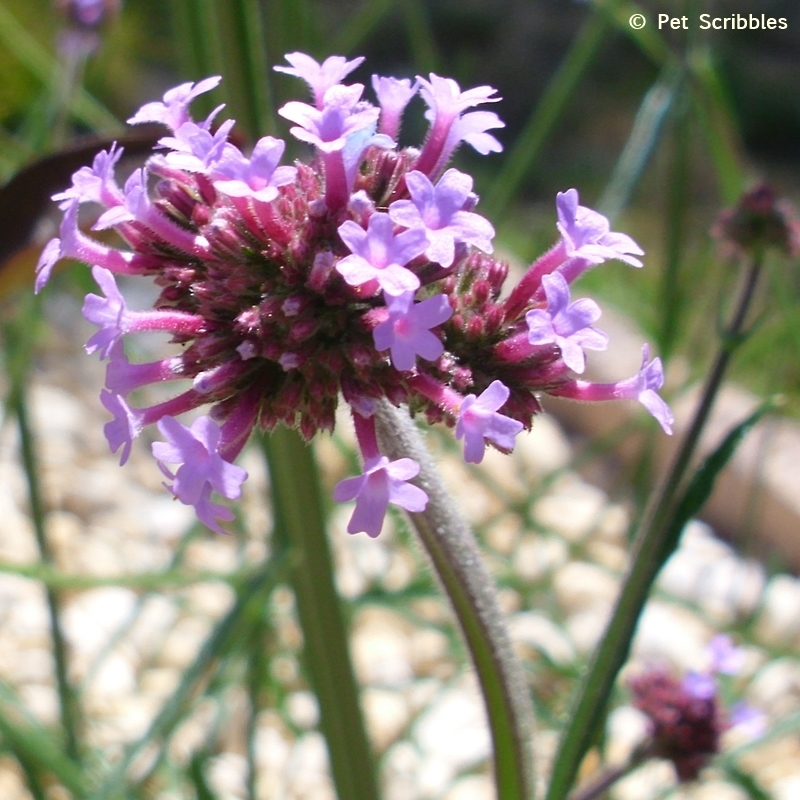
(38, 753)
(424, 53)
(650, 551)
(601, 783)
(300, 528)
(645, 136)
(459, 564)
(670, 294)
(37, 60)
(246, 65)
(70, 711)
(520, 160)
(360, 24)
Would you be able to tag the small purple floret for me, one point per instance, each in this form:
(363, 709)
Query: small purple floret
(393, 96)
(586, 233)
(259, 176)
(328, 128)
(377, 254)
(407, 332)
(381, 483)
(479, 420)
(95, 184)
(124, 428)
(319, 77)
(439, 211)
(568, 325)
(174, 111)
(202, 469)
(108, 313)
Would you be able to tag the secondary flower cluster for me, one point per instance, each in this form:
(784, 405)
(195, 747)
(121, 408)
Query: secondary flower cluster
(686, 717)
(364, 274)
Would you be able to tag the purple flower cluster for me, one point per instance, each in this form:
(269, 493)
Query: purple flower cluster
(364, 274)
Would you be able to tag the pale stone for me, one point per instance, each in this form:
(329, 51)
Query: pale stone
(13, 785)
(572, 510)
(211, 598)
(537, 556)
(387, 714)
(428, 647)
(671, 633)
(41, 700)
(307, 769)
(217, 554)
(778, 620)
(471, 497)
(627, 728)
(648, 781)
(709, 573)
(381, 647)
(183, 642)
(586, 627)
(401, 570)
(272, 744)
(401, 765)
(613, 525)
(504, 534)
(787, 788)
(158, 682)
(452, 734)
(537, 631)
(91, 618)
(502, 471)
(580, 584)
(156, 616)
(302, 709)
(611, 556)
(472, 787)
(710, 789)
(776, 687)
(193, 731)
(544, 449)
(28, 665)
(227, 776)
(113, 676)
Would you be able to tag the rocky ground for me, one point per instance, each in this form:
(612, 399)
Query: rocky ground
(556, 544)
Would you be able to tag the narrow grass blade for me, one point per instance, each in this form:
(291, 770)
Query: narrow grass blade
(41, 753)
(527, 147)
(713, 111)
(300, 528)
(43, 66)
(642, 142)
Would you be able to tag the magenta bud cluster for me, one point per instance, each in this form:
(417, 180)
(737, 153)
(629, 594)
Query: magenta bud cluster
(363, 274)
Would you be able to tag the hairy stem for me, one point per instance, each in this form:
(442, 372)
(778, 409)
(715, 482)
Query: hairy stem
(459, 564)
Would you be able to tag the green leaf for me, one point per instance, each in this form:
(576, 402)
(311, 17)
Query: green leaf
(703, 480)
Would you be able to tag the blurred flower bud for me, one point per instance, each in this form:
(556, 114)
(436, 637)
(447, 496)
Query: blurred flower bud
(85, 18)
(759, 221)
(89, 14)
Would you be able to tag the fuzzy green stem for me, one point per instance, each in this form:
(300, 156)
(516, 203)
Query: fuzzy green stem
(459, 564)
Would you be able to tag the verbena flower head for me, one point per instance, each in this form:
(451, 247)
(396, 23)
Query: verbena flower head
(686, 715)
(362, 274)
